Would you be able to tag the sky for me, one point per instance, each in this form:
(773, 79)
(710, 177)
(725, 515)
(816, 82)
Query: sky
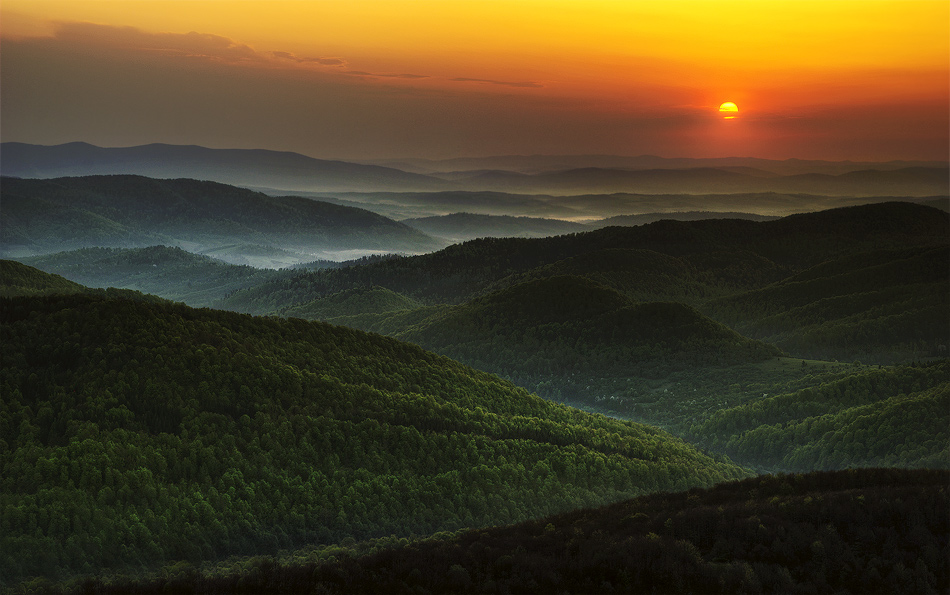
(862, 80)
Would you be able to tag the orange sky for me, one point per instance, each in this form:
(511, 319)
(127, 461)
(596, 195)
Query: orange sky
(354, 79)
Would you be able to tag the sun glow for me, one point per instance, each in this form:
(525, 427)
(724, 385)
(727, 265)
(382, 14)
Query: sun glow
(729, 110)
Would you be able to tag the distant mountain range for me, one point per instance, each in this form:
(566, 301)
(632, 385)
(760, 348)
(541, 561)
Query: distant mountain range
(909, 181)
(553, 175)
(242, 167)
(43, 216)
(536, 164)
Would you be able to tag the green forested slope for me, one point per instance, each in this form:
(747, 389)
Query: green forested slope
(866, 282)
(879, 305)
(352, 302)
(135, 433)
(459, 227)
(895, 417)
(732, 255)
(169, 272)
(19, 279)
(567, 337)
(570, 325)
(856, 531)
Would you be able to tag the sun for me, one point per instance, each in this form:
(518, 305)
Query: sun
(729, 110)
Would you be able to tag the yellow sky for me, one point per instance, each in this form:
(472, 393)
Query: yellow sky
(653, 58)
(748, 33)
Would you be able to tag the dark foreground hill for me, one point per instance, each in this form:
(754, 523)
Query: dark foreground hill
(42, 216)
(136, 433)
(868, 531)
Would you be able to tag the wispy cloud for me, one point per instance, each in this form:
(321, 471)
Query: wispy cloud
(386, 75)
(192, 45)
(302, 60)
(520, 84)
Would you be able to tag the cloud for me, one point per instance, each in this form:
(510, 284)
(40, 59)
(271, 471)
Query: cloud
(386, 75)
(300, 60)
(520, 84)
(193, 45)
(190, 45)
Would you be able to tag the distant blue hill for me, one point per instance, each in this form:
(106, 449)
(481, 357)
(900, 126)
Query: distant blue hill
(242, 167)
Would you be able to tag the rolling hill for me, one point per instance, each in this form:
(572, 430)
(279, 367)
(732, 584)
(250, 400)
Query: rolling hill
(240, 167)
(42, 216)
(644, 218)
(857, 531)
(891, 417)
(171, 273)
(138, 432)
(459, 227)
(879, 306)
(725, 256)
(19, 279)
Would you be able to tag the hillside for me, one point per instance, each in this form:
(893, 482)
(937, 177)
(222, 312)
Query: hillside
(566, 326)
(567, 338)
(19, 279)
(169, 272)
(867, 531)
(878, 306)
(644, 218)
(352, 302)
(893, 417)
(136, 433)
(43, 216)
(460, 227)
(721, 256)
(596, 206)
(240, 167)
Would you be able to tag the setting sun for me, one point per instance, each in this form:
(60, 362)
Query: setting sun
(729, 110)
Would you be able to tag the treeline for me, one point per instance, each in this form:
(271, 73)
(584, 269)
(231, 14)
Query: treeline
(896, 417)
(136, 433)
(856, 531)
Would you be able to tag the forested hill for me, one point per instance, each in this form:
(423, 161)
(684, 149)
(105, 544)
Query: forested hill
(135, 433)
(724, 255)
(569, 327)
(857, 531)
(20, 279)
(893, 417)
(173, 273)
(883, 305)
(42, 216)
